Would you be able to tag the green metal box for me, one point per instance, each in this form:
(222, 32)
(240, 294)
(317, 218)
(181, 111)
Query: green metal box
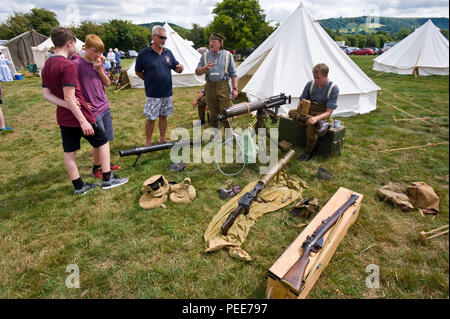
(328, 145)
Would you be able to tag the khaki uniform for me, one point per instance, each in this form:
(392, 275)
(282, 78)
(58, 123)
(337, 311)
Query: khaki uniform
(217, 87)
(311, 130)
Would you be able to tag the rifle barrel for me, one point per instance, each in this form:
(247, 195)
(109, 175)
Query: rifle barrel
(277, 168)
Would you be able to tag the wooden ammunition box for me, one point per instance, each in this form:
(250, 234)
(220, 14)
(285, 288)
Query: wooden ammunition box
(275, 288)
(329, 144)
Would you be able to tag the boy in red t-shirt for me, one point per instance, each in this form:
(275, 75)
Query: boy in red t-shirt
(61, 87)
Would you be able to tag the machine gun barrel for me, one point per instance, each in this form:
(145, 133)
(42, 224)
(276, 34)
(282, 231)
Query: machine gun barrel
(248, 107)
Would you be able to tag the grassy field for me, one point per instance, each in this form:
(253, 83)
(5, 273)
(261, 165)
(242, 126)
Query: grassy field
(123, 251)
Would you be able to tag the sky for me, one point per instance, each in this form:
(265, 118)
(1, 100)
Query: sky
(186, 12)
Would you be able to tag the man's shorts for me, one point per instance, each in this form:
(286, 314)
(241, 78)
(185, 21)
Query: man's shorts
(156, 106)
(71, 137)
(104, 120)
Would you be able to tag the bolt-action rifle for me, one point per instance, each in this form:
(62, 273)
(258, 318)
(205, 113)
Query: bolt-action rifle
(293, 279)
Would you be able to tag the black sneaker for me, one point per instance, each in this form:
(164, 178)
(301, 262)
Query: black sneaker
(306, 156)
(114, 181)
(86, 187)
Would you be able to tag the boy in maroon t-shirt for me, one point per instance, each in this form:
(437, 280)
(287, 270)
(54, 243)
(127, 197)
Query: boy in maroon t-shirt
(61, 87)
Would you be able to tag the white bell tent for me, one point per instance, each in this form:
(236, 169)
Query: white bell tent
(425, 49)
(283, 64)
(6, 54)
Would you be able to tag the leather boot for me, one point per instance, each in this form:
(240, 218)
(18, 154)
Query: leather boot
(322, 127)
(306, 156)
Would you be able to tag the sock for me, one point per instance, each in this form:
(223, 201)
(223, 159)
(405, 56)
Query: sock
(106, 176)
(94, 167)
(78, 183)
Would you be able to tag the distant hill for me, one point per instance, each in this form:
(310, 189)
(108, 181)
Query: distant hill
(387, 24)
(180, 30)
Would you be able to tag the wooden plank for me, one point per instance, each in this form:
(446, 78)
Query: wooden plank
(318, 261)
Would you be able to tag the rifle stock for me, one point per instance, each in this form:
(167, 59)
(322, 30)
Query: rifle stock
(230, 221)
(293, 279)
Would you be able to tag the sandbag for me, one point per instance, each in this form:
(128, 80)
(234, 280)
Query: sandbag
(423, 196)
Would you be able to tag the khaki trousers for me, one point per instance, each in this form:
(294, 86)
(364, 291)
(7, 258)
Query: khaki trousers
(311, 130)
(218, 99)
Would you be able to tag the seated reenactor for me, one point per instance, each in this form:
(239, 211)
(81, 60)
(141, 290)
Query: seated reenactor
(320, 96)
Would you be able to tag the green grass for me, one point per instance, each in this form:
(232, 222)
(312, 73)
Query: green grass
(124, 251)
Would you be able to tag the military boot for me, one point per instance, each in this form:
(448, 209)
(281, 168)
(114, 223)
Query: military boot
(306, 156)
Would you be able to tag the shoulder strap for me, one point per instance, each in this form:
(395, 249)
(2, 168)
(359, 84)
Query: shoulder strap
(227, 60)
(330, 89)
(311, 88)
(205, 63)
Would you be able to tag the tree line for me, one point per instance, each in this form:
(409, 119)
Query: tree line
(388, 24)
(242, 22)
(370, 40)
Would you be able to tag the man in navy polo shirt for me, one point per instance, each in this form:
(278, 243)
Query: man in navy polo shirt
(153, 65)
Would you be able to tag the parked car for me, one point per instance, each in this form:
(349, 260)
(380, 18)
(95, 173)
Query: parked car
(365, 51)
(350, 50)
(344, 48)
(131, 54)
(376, 50)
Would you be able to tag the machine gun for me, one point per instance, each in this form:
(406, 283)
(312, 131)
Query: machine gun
(261, 107)
(246, 200)
(293, 279)
(152, 148)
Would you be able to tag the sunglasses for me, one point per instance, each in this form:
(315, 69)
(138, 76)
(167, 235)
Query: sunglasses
(162, 37)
